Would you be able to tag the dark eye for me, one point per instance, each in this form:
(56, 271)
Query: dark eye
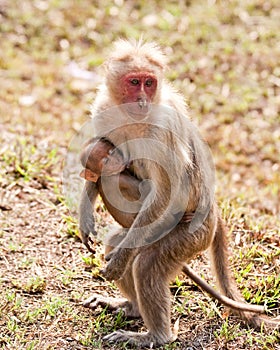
(134, 81)
(105, 160)
(149, 82)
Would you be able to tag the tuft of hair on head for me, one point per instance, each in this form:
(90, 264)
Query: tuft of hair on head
(136, 55)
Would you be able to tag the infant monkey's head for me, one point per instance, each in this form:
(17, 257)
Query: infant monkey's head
(100, 157)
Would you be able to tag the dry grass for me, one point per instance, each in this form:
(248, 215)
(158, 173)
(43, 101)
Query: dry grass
(225, 59)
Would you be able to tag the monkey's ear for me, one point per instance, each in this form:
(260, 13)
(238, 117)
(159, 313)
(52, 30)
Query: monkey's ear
(89, 175)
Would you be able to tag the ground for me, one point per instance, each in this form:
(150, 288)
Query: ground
(225, 60)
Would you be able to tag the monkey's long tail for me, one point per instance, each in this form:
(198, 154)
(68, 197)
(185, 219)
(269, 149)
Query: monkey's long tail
(237, 305)
(219, 252)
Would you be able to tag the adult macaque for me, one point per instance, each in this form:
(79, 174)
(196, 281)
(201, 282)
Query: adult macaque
(166, 151)
(98, 157)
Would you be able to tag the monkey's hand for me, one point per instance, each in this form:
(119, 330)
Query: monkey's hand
(87, 240)
(118, 260)
(87, 231)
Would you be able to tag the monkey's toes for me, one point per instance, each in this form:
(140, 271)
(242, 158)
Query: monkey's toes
(94, 301)
(89, 302)
(132, 338)
(128, 310)
(117, 336)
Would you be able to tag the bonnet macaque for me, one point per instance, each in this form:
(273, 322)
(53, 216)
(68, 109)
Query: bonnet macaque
(100, 157)
(167, 152)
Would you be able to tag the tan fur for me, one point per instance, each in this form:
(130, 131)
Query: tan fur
(143, 273)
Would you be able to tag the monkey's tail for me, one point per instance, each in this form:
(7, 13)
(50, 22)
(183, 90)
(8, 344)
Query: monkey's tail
(220, 256)
(233, 304)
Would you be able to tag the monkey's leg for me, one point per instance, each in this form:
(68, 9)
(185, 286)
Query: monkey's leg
(153, 268)
(152, 289)
(126, 285)
(128, 306)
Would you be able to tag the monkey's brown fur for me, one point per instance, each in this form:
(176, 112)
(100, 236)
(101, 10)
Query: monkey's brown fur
(143, 273)
(98, 157)
(92, 155)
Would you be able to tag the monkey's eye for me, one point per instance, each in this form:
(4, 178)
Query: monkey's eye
(134, 81)
(149, 82)
(105, 160)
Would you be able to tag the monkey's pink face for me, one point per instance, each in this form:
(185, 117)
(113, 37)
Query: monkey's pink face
(139, 87)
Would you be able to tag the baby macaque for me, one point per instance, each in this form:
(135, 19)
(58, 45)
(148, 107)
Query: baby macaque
(100, 157)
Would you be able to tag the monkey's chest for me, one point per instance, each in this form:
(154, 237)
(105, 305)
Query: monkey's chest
(128, 132)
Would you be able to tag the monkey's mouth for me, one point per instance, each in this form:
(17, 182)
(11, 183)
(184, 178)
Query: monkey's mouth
(138, 110)
(142, 103)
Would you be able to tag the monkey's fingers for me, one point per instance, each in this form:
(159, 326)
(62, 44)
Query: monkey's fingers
(88, 242)
(108, 257)
(104, 272)
(89, 248)
(113, 271)
(110, 273)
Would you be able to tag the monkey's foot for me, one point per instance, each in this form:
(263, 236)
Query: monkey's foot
(260, 321)
(129, 309)
(117, 304)
(138, 339)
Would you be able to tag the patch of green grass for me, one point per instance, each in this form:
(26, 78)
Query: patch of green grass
(72, 229)
(66, 277)
(103, 323)
(33, 285)
(28, 160)
(227, 332)
(263, 340)
(14, 246)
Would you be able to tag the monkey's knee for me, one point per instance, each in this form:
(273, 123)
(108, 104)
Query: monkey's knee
(113, 239)
(143, 266)
(201, 233)
(151, 271)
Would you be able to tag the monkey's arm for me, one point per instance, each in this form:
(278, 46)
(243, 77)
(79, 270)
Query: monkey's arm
(124, 200)
(155, 219)
(86, 218)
